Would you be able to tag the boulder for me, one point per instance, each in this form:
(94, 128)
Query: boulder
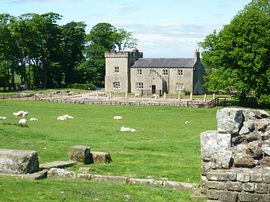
(262, 124)
(81, 154)
(265, 161)
(101, 157)
(229, 120)
(213, 143)
(266, 148)
(18, 161)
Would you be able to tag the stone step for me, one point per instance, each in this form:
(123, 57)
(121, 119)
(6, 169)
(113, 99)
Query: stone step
(57, 164)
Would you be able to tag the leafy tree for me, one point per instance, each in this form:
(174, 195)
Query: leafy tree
(124, 39)
(239, 55)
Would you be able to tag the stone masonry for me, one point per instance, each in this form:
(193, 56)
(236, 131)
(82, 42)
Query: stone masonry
(235, 163)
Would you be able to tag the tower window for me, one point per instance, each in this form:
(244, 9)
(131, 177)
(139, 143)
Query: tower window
(116, 85)
(116, 69)
(165, 72)
(139, 85)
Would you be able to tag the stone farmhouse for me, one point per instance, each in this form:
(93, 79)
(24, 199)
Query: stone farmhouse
(129, 72)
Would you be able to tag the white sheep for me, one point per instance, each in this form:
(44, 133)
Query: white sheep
(61, 118)
(22, 122)
(3, 118)
(126, 129)
(25, 114)
(19, 113)
(117, 117)
(187, 122)
(68, 116)
(33, 119)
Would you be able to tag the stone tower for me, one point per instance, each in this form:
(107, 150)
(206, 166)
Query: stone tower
(117, 76)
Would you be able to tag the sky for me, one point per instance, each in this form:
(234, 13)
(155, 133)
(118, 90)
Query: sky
(164, 28)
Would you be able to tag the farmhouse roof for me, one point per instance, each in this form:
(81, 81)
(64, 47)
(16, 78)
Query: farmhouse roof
(164, 62)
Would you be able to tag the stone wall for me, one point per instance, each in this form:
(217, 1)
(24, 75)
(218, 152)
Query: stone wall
(235, 162)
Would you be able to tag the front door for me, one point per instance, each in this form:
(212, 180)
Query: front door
(153, 89)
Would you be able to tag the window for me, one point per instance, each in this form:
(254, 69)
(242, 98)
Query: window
(139, 71)
(179, 86)
(116, 69)
(180, 72)
(165, 72)
(116, 85)
(139, 85)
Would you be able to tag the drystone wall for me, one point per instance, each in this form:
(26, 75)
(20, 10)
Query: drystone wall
(235, 163)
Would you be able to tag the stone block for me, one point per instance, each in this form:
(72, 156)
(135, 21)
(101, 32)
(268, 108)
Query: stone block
(266, 148)
(18, 161)
(227, 196)
(266, 178)
(249, 187)
(115, 179)
(203, 184)
(85, 170)
(250, 197)
(180, 186)
(221, 175)
(256, 177)
(244, 160)
(57, 164)
(60, 173)
(234, 186)
(81, 153)
(216, 185)
(140, 181)
(243, 177)
(261, 188)
(101, 157)
(229, 120)
(84, 176)
(213, 143)
(36, 176)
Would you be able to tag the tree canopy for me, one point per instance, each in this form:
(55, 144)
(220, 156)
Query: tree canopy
(238, 56)
(44, 54)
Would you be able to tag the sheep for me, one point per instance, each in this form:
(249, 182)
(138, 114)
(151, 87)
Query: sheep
(68, 116)
(61, 118)
(187, 122)
(3, 118)
(126, 129)
(64, 117)
(117, 117)
(19, 113)
(22, 122)
(33, 119)
(25, 114)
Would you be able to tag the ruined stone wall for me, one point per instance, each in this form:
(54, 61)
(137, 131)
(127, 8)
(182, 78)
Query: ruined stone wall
(235, 162)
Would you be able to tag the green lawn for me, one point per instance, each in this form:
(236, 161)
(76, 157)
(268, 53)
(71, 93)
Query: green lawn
(163, 146)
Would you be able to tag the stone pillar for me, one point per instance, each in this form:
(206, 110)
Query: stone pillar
(214, 95)
(165, 96)
(191, 96)
(204, 97)
(97, 96)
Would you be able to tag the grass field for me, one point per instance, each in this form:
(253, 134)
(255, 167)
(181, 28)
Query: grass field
(163, 146)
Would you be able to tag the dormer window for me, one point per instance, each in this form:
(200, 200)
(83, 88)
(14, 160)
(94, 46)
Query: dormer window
(139, 71)
(180, 72)
(116, 69)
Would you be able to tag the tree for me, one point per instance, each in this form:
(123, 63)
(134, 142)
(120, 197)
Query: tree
(239, 55)
(103, 37)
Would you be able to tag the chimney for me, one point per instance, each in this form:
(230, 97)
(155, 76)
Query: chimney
(197, 55)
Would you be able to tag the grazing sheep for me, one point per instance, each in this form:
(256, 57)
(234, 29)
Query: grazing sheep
(117, 117)
(25, 114)
(68, 116)
(19, 113)
(187, 122)
(126, 129)
(22, 122)
(3, 118)
(61, 118)
(33, 119)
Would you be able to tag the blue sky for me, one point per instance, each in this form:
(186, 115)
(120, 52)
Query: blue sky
(165, 28)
